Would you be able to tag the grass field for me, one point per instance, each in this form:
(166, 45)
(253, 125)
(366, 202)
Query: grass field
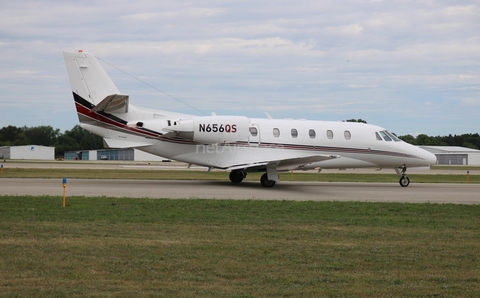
(98, 247)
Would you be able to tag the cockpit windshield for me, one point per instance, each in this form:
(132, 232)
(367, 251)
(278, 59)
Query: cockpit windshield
(394, 137)
(387, 136)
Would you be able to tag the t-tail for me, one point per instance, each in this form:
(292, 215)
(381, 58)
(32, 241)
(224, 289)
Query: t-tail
(93, 90)
(105, 111)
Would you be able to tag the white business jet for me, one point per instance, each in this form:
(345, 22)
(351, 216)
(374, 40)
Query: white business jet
(233, 143)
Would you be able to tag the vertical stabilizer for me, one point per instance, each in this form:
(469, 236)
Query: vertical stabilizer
(87, 77)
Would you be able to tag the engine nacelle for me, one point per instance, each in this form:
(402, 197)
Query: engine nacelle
(212, 129)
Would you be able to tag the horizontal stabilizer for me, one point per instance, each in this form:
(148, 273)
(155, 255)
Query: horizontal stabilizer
(113, 103)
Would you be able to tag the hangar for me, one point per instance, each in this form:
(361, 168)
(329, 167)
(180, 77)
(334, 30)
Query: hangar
(454, 155)
(112, 154)
(28, 152)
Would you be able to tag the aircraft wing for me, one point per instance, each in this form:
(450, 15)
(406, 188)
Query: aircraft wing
(295, 163)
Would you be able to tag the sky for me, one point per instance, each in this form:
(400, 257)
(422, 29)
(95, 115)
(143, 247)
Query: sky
(411, 67)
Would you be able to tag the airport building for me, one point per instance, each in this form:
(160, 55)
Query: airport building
(27, 152)
(454, 155)
(446, 155)
(112, 154)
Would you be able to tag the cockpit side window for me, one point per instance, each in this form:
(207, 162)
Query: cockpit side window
(385, 136)
(379, 138)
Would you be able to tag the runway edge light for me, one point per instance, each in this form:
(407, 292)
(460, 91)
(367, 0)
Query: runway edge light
(64, 184)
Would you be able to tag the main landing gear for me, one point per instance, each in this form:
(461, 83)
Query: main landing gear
(404, 181)
(265, 182)
(237, 176)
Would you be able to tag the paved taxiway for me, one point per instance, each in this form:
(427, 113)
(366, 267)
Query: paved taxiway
(286, 190)
(315, 191)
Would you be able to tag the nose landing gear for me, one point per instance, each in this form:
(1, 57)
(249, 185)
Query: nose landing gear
(404, 181)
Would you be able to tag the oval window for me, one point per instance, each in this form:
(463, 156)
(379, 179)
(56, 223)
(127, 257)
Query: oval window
(312, 133)
(347, 135)
(329, 134)
(253, 131)
(276, 132)
(294, 133)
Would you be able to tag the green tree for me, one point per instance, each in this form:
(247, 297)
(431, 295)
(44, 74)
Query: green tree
(9, 135)
(356, 120)
(409, 139)
(41, 135)
(77, 139)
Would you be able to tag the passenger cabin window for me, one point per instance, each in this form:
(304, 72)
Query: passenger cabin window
(347, 135)
(377, 135)
(294, 133)
(253, 131)
(276, 132)
(312, 134)
(329, 134)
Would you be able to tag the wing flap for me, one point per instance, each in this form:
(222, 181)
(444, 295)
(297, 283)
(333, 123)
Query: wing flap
(295, 163)
(299, 163)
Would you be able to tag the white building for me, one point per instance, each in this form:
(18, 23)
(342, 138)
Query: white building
(28, 152)
(113, 154)
(454, 155)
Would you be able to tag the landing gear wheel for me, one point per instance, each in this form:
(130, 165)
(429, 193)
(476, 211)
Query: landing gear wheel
(404, 181)
(237, 176)
(265, 182)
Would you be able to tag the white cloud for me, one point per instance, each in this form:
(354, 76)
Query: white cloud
(471, 101)
(461, 10)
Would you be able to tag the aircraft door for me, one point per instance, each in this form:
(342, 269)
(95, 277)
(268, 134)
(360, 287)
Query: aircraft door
(254, 137)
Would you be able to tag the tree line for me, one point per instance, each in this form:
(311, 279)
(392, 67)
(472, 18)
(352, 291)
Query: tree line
(79, 139)
(71, 140)
(470, 140)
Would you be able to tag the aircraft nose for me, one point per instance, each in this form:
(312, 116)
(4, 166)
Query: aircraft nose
(430, 158)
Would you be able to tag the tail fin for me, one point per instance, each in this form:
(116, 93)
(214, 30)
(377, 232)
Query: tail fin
(87, 77)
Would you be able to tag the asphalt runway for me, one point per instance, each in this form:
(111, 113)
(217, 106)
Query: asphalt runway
(300, 191)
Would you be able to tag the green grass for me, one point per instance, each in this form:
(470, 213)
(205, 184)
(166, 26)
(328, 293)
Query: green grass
(220, 175)
(455, 167)
(98, 247)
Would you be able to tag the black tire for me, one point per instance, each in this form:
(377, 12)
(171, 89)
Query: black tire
(265, 182)
(404, 181)
(236, 176)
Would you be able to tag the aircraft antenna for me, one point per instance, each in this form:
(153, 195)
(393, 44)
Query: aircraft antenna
(150, 85)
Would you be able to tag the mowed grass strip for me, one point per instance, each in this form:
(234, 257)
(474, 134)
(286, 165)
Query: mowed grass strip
(221, 248)
(221, 175)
